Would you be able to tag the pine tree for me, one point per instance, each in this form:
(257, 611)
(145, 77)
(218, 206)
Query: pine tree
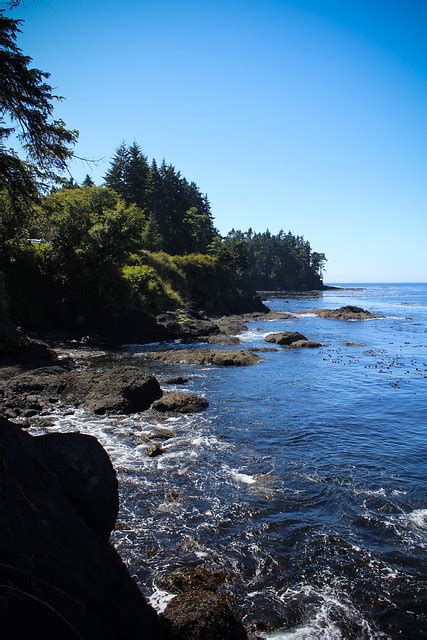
(88, 182)
(116, 175)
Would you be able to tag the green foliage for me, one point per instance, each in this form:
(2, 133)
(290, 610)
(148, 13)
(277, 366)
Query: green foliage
(26, 100)
(180, 213)
(149, 291)
(267, 261)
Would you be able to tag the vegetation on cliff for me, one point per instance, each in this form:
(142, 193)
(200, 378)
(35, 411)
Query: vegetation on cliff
(144, 242)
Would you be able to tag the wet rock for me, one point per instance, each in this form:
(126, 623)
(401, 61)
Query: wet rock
(203, 615)
(263, 349)
(353, 344)
(63, 576)
(154, 450)
(176, 380)
(119, 390)
(185, 578)
(305, 344)
(219, 357)
(180, 402)
(220, 338)
(285, 337)
(348, 312)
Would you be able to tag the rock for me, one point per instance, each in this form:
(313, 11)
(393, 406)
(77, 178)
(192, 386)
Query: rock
(263, 349)
(353, 344)
(203, 615)
(305, 344)
(163, 434)
(185, 578)
(220, 338)
(219, 357)
(154, 450)
(177, 380)
(284, 337)
(119, 390)
(63, 577)
(348, 312)
(180, 402)
(86, 475)
(187, 324)
(199, 612)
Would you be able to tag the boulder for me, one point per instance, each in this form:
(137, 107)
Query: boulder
(176, 380)
(219, 357)
(180, 402)
(86, 475)
(119, 390)
(61, 578)
(305, 344)
(284, 337)
(199, 611)
(186, 324)
(154, 450)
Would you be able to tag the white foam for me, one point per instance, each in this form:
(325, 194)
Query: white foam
(245, 478)
(418, 517)
(159, 599)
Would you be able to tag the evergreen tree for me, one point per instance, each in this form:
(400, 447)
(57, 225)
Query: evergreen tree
(88, 182)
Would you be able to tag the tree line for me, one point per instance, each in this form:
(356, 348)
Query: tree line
(102, 247)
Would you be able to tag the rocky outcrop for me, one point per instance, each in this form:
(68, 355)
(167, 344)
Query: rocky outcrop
(180, 402)
(199, 611)
(348, 312)
(218, 357)
(116, 390)
(59, 576)
(119, 390)
(285, 337)
(305, 344)
(186, 324)
(220, 338)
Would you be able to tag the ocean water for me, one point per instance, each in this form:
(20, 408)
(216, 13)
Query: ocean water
(305, 480)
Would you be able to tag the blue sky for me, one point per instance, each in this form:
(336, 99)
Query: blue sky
(306, 115)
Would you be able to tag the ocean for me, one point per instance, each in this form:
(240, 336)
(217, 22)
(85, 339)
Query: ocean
(304, 480)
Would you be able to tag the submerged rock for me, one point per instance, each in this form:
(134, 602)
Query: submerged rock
(219, 357)
(180, 402)
(285, 337)
(348, 312)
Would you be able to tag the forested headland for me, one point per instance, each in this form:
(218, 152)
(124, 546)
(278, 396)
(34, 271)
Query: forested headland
(74, 255)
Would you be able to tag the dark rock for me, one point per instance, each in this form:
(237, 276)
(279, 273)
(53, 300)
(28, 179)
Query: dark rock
(353, 344)
(220, 338)
(305, 344)
(154, 450)
(348, 312)
(203, 615)
(219, 357)
(86, 475)
(177, 380)
(185, 578)
(186, 324)
(284, 337)
(263, 349)
(163, 434)
(119, 390)
(61, 578)
(180, 402)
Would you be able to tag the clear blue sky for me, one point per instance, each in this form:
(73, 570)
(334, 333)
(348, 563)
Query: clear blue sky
(306, 115)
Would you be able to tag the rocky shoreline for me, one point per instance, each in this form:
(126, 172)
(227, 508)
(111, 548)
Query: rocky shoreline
(65, 482)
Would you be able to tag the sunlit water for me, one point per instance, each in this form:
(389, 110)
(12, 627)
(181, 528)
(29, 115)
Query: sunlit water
(304, 480)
